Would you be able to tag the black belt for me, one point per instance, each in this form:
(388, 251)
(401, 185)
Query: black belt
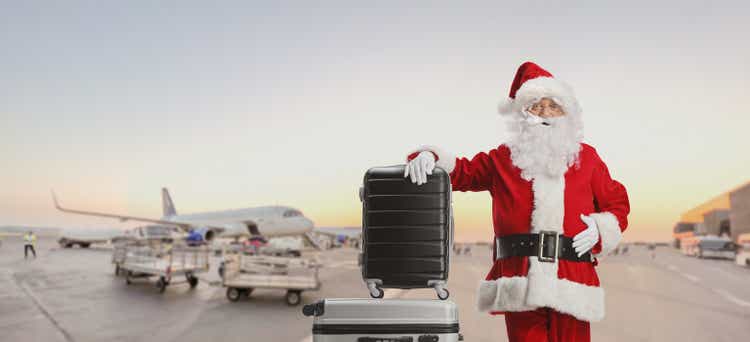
(547, 246)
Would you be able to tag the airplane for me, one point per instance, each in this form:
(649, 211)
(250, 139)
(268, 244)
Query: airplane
(265, 221)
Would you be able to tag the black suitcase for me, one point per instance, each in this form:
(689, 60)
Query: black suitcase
(407, 231)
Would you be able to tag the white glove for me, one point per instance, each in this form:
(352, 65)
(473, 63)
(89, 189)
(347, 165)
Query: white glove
(585, 240)
(421, 166)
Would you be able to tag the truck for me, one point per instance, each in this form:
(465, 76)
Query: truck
(709, 247)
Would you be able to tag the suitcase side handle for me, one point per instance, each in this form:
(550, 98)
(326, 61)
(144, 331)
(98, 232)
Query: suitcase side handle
(385, 339)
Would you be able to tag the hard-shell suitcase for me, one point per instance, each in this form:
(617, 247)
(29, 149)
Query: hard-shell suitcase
(387, 320)
(407, 231)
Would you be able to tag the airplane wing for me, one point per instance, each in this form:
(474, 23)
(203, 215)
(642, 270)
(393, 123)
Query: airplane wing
(183, 225)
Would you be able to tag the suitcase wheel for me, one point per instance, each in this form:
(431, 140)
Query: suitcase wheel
(442, 293)
(376, 292)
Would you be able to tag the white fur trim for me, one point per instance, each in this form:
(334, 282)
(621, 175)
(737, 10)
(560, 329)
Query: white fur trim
(549, 203)
(609, 231)
(542, 287)
(503, 294)
(548, 214)
(510, 294)
(535, 89)
(446, 160)
(505, 107)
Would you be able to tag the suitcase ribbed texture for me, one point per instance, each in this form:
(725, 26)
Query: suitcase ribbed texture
(407, 228)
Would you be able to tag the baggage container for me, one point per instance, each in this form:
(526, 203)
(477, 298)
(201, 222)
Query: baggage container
(407, 231)
(387, 320)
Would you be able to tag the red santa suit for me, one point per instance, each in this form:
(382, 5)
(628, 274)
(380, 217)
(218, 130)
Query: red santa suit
(523, 287)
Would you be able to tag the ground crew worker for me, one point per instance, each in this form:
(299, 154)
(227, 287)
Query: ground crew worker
(29, 241)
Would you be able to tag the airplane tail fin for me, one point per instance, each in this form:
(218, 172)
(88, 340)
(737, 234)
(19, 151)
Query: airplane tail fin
(167, 205)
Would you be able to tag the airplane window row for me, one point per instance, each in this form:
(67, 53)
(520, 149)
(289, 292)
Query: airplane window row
(292, 213)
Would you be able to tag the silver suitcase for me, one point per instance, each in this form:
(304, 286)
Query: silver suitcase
(384, 320)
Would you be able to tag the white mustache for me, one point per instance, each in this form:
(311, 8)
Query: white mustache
(534, 120)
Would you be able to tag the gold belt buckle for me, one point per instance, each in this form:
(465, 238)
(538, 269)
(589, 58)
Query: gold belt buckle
(541, 256)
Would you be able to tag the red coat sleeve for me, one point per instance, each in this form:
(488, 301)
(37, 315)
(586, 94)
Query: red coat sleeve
(466, 175)
(473, 175)
(612, 206)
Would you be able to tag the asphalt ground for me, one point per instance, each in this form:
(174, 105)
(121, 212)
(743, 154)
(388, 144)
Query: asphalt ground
(73, 295)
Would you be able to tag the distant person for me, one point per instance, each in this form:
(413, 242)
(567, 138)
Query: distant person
(625, 249)
(652, 248)
(29, 241)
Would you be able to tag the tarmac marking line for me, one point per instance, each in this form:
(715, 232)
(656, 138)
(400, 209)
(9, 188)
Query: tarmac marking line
(690, 277)
(45, 312)
(726, 273)
(728, 296)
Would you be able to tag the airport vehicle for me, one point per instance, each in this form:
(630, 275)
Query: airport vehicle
(85, 237)
(153, 258)
(682, 230)
(708, 247)
(244, 273)
(282, 246)
(267, 221)
(407, 231)
(743, 250)
(387, 320)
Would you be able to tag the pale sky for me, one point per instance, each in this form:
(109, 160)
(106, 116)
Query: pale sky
(236, 104)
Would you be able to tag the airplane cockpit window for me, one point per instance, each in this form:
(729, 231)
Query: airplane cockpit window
(292, 213)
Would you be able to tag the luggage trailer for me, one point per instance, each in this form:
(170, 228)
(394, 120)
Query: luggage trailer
(165, 261)
(244, 273)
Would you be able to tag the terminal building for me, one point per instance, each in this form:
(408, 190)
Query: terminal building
(725, 215)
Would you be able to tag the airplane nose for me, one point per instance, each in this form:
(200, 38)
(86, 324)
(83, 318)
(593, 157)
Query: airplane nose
(308, 223)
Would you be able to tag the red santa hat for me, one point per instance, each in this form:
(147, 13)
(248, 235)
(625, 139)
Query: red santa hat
(533, 83)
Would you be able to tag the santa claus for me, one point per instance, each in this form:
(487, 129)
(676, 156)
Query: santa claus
(555, 209)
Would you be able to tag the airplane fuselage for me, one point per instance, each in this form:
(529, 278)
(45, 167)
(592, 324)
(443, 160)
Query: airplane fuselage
(268, 221)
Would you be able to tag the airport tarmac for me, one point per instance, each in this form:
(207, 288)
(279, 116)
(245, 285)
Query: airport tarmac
(73, 295)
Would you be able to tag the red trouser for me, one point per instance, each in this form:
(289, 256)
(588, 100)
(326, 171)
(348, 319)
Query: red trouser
(545, 325)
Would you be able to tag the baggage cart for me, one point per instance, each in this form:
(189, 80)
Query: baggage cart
(167, 262)
(245, 273)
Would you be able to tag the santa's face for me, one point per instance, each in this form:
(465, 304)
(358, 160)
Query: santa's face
(546, 140)
(546, 108)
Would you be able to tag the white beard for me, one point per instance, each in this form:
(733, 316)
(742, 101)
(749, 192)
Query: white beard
(540, 150)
